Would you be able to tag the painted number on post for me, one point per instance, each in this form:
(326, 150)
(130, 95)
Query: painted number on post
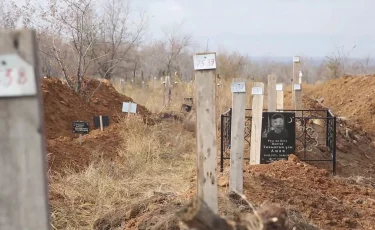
(17, 77)
(238, 87)
(204, 61)
(257, 90)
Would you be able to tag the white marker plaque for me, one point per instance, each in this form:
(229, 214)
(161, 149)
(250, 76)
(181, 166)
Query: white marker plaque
(17, 77)
(129, 107)
(257, 90)
(204, 61)
(296, 59)
(297, 86)
(238, 87)
(279, 87)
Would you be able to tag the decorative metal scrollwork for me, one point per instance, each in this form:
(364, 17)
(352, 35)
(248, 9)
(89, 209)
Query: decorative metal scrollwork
(247, 133)
(306, 135)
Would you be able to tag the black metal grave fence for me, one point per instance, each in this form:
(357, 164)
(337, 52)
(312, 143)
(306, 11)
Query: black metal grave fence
(308, 127)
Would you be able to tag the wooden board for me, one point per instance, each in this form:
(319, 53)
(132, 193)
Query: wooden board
(271, 97)
(205, 88)
(237, 139)
(23, 183)
(256, 125)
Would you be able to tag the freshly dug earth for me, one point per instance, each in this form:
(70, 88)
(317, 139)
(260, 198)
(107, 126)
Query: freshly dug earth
(64, 152)
(327, 202)
(354, 146)
(62, 106)
(352, 97)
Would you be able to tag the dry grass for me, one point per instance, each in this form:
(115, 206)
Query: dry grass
(152, 158)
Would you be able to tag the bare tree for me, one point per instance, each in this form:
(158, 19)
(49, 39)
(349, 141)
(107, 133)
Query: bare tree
(176, 44)
(72, 26)
(115, 37)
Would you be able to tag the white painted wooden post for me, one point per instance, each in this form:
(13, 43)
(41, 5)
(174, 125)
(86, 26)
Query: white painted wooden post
(298, 99)
(238, 89)
(205, 97)
(256, 123)
(297, 86)
(295, 78)
(271, 97)
(23, 166)
(280, 96)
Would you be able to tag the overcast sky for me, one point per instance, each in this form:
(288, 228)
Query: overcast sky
(269, 27)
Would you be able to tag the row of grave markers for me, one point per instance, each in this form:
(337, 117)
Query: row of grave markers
(83, 127)
(23, 150)
(205, 84)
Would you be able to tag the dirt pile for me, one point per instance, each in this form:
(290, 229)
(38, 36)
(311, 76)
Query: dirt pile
(327, 202)
(62, 106)
(352, 97)
(67, 152)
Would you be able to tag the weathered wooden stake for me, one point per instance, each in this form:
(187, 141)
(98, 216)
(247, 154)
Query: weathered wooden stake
(256, 123)
(271, 97)
(297, 86)
(23, 181)
(205, 91)
(298, 99)
(238, 89)
(280, 96)
(296, 69)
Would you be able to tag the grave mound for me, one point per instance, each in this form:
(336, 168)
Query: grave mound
(62, 105)
(354, 98)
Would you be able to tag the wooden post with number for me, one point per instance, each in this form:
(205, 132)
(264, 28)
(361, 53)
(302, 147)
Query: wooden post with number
(298, 99)
(297, 86)
(295, 78)
(23, 182)
(280, 96)
(205, 96)
(238, 89)
(271, 97)
(256, 124)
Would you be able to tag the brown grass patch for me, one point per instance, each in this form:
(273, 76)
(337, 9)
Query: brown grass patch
(156, 158)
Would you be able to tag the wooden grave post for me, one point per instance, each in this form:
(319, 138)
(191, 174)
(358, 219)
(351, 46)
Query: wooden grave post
(297, 86)
(23, 165)
(296, 61)
(238, 89)
(205, 91)
(280, 96)
(271, 97)
(256, 124)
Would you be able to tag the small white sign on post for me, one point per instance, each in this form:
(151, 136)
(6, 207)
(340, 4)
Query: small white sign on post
(296, 59)
(238, 87)
(256, 90)
(204, 61)
(279, 87)
(129, 107)
(17, 77)
(297, 86)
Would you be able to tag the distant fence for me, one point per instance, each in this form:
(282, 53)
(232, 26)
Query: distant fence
(307, 137)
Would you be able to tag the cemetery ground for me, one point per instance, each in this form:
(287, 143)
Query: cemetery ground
(139, 171)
